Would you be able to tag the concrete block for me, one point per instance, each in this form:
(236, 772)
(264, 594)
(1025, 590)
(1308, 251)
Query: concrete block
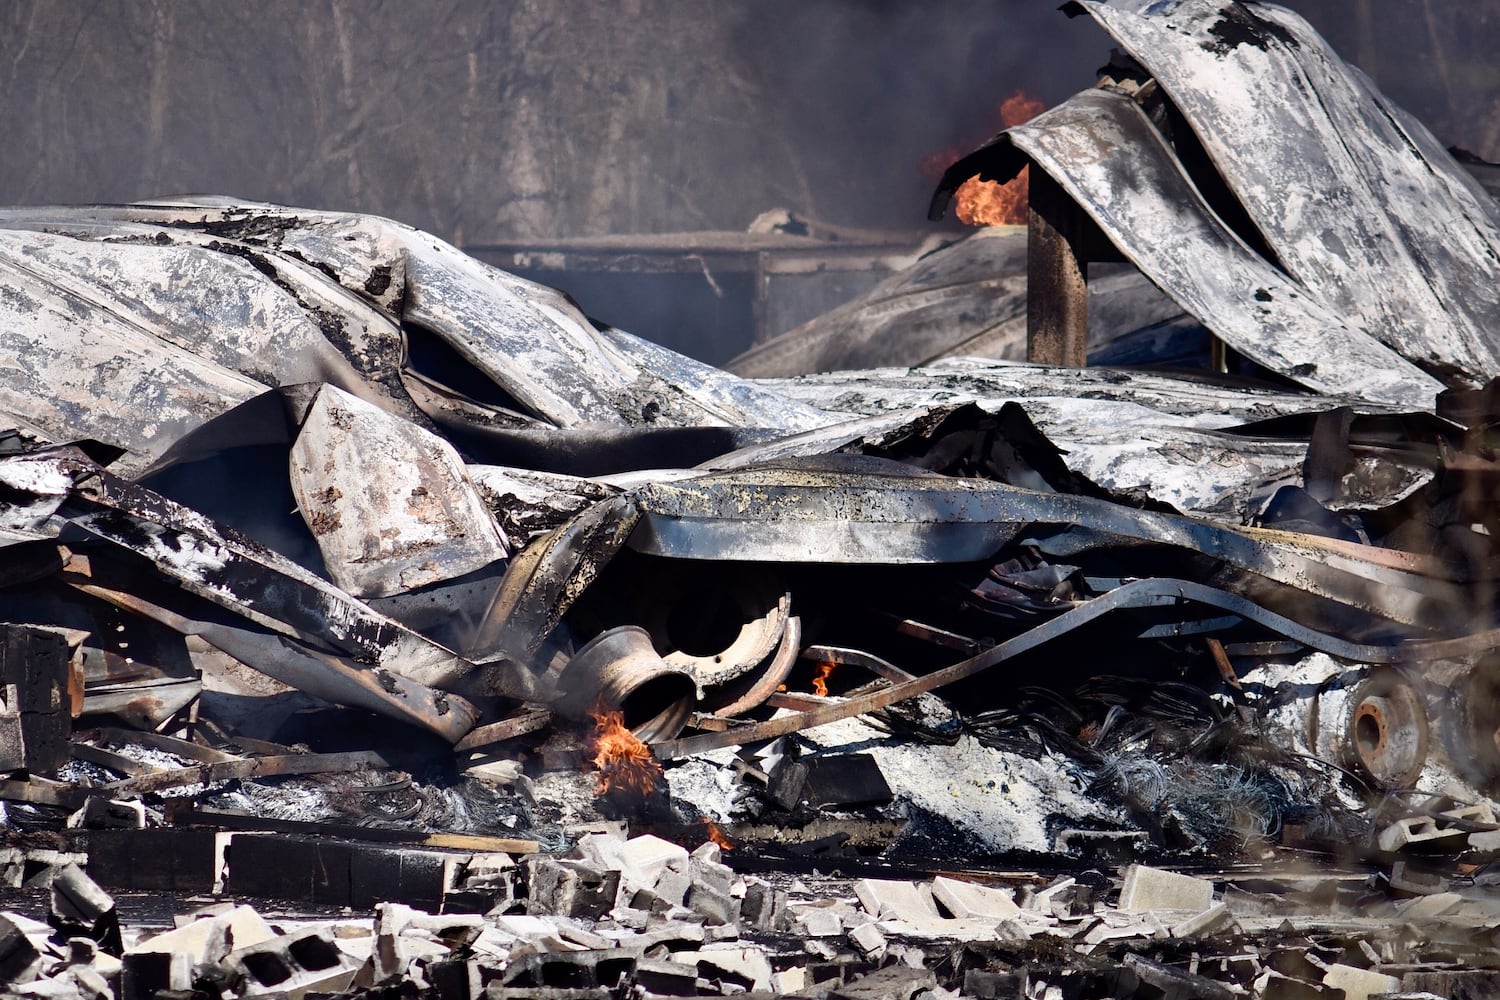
(1357, 983)
(1471, 984)
(789, 981)
(1431, 829)
(515, 927)
(161, 859)
(716, 907)
(454, 979)
(91, 983)
(1012, 930)
(868, 939)
(663, 977)
(817, 921)
(1102, 932)
(602, 851)
(144, 973)
(211, 937)
(34, 721)
(671, 933)
(292, 964)
(484, 883)
(895, 982)
(273, 866)
(1213, 920)
(886, 899)
(940, 929)
(12, 867)
(569, 888)
(1154, 889)
(672, 885)
(764, 907)
(99, 813)
(78, 902)
(1046, 900)
(972, 901)
(747, 965)
(572, 970)
(1170, 981)
(1416, 882)
(995, 985)
(1430, 907)
(712, 875)
(19, 958)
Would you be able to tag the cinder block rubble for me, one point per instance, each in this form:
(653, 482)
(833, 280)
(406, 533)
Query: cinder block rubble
(1154, 889)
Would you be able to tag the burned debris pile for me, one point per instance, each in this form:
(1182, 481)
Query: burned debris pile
(346, 571)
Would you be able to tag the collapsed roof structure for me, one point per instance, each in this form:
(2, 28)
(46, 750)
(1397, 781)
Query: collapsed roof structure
(343, 454)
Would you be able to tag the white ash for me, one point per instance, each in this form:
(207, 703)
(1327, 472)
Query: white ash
(1004, 801)
(707, 782)
(995, 800)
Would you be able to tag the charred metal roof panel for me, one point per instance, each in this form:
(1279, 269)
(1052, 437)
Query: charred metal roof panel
(134, 324)
(1105, 153)
(1359, 201)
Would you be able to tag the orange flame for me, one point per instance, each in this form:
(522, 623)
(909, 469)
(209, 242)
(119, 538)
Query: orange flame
(715, 835)
(623, 761)
(990, 203)
(820, 678)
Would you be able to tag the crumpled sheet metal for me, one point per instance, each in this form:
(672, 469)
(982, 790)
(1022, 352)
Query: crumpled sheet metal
(529, 504)
(1357, 199)
(1104, 152)
(295, 296)
(1127, 431)
(966, 298)
(234, 572)
(295, 627)
(977, 286)
(389, 503)
(76, 367)
(801, 515)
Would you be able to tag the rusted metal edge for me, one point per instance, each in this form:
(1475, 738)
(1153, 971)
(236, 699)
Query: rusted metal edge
(528, 721)
(776, 672)
(318, 674)
(859, 658)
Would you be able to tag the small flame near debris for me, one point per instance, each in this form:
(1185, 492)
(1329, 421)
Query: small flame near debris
(624, 763)
(715, 835)
(989, 203)
(820, 678)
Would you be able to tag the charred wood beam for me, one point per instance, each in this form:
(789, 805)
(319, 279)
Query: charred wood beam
(505, 729)
(224, 819)
(1057, 300)
(247, 768)
(167, 744)
(319, 674)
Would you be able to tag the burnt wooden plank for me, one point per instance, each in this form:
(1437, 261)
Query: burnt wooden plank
(1057, 301)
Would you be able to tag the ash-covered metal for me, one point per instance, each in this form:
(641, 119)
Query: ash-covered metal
(345, 569)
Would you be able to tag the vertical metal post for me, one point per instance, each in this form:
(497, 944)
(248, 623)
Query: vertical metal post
(760, 303)
(1057, 293)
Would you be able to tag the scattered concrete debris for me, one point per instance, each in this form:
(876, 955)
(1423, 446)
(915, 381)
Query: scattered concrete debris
(1269, 935)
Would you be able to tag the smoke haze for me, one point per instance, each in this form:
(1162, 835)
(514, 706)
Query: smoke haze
(536, 118)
